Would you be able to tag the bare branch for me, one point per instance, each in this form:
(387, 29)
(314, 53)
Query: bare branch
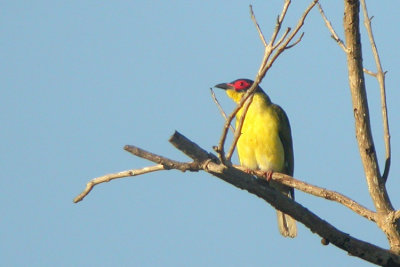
(253, 18)
(265, 67)
(113, 176)
(163, 164)
(260, 188)
(282, 38)
(166, 162)
(319, 192)
(279, 21)
(330, 28)
(191, 149)
(380, 75)
(376, 185)
(296, 42)
(373, 74)
(220, 109)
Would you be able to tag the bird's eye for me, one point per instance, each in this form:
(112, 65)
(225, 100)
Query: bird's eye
(241, 85)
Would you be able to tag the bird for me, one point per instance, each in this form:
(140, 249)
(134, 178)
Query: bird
(265, 142)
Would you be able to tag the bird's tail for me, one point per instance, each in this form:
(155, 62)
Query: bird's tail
(287, 225)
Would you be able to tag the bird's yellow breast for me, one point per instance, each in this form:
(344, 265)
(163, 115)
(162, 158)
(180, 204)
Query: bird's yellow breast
(259, 145)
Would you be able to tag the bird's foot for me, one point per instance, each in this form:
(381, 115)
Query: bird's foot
(268, 175)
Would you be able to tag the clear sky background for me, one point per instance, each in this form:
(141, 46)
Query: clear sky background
(80, 79)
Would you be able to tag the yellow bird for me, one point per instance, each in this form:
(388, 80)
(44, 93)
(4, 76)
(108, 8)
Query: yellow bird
(265, 142)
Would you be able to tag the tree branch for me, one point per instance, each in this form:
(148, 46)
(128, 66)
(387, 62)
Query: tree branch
(253, 18)
(318, 192)
(220, 109)
(330, 28)
(166, 162)
(380, 76)
(366, 146)
(203, 160)
(260, 188)
(112, 176)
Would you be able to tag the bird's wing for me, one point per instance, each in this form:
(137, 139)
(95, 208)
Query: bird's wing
(286, 138)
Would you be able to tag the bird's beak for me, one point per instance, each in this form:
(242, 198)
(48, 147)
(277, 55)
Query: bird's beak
(225, 86)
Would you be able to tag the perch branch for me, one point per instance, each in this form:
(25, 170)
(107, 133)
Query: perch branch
(318, 192)
(190, 148)
(260, 188)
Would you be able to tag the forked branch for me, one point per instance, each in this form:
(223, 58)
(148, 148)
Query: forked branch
(271, 53)
(203, 160)
(331, 29)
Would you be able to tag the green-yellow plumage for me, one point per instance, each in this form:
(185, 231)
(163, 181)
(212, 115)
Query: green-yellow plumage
(265, 142)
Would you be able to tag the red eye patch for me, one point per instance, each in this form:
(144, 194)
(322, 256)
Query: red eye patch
(241, 85)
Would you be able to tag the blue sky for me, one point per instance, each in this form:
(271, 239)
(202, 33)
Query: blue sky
(80, 79)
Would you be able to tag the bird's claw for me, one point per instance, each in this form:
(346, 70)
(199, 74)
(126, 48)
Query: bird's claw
(268, 175)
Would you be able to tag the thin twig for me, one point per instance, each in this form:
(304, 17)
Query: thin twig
(253, 18)
(282, 38)
(296, 42)
(380, 75)
(279, 21)
(270, 46)
(221, 110)
(330, 28)
(279, 50)
(373, 74)
(112, 176)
